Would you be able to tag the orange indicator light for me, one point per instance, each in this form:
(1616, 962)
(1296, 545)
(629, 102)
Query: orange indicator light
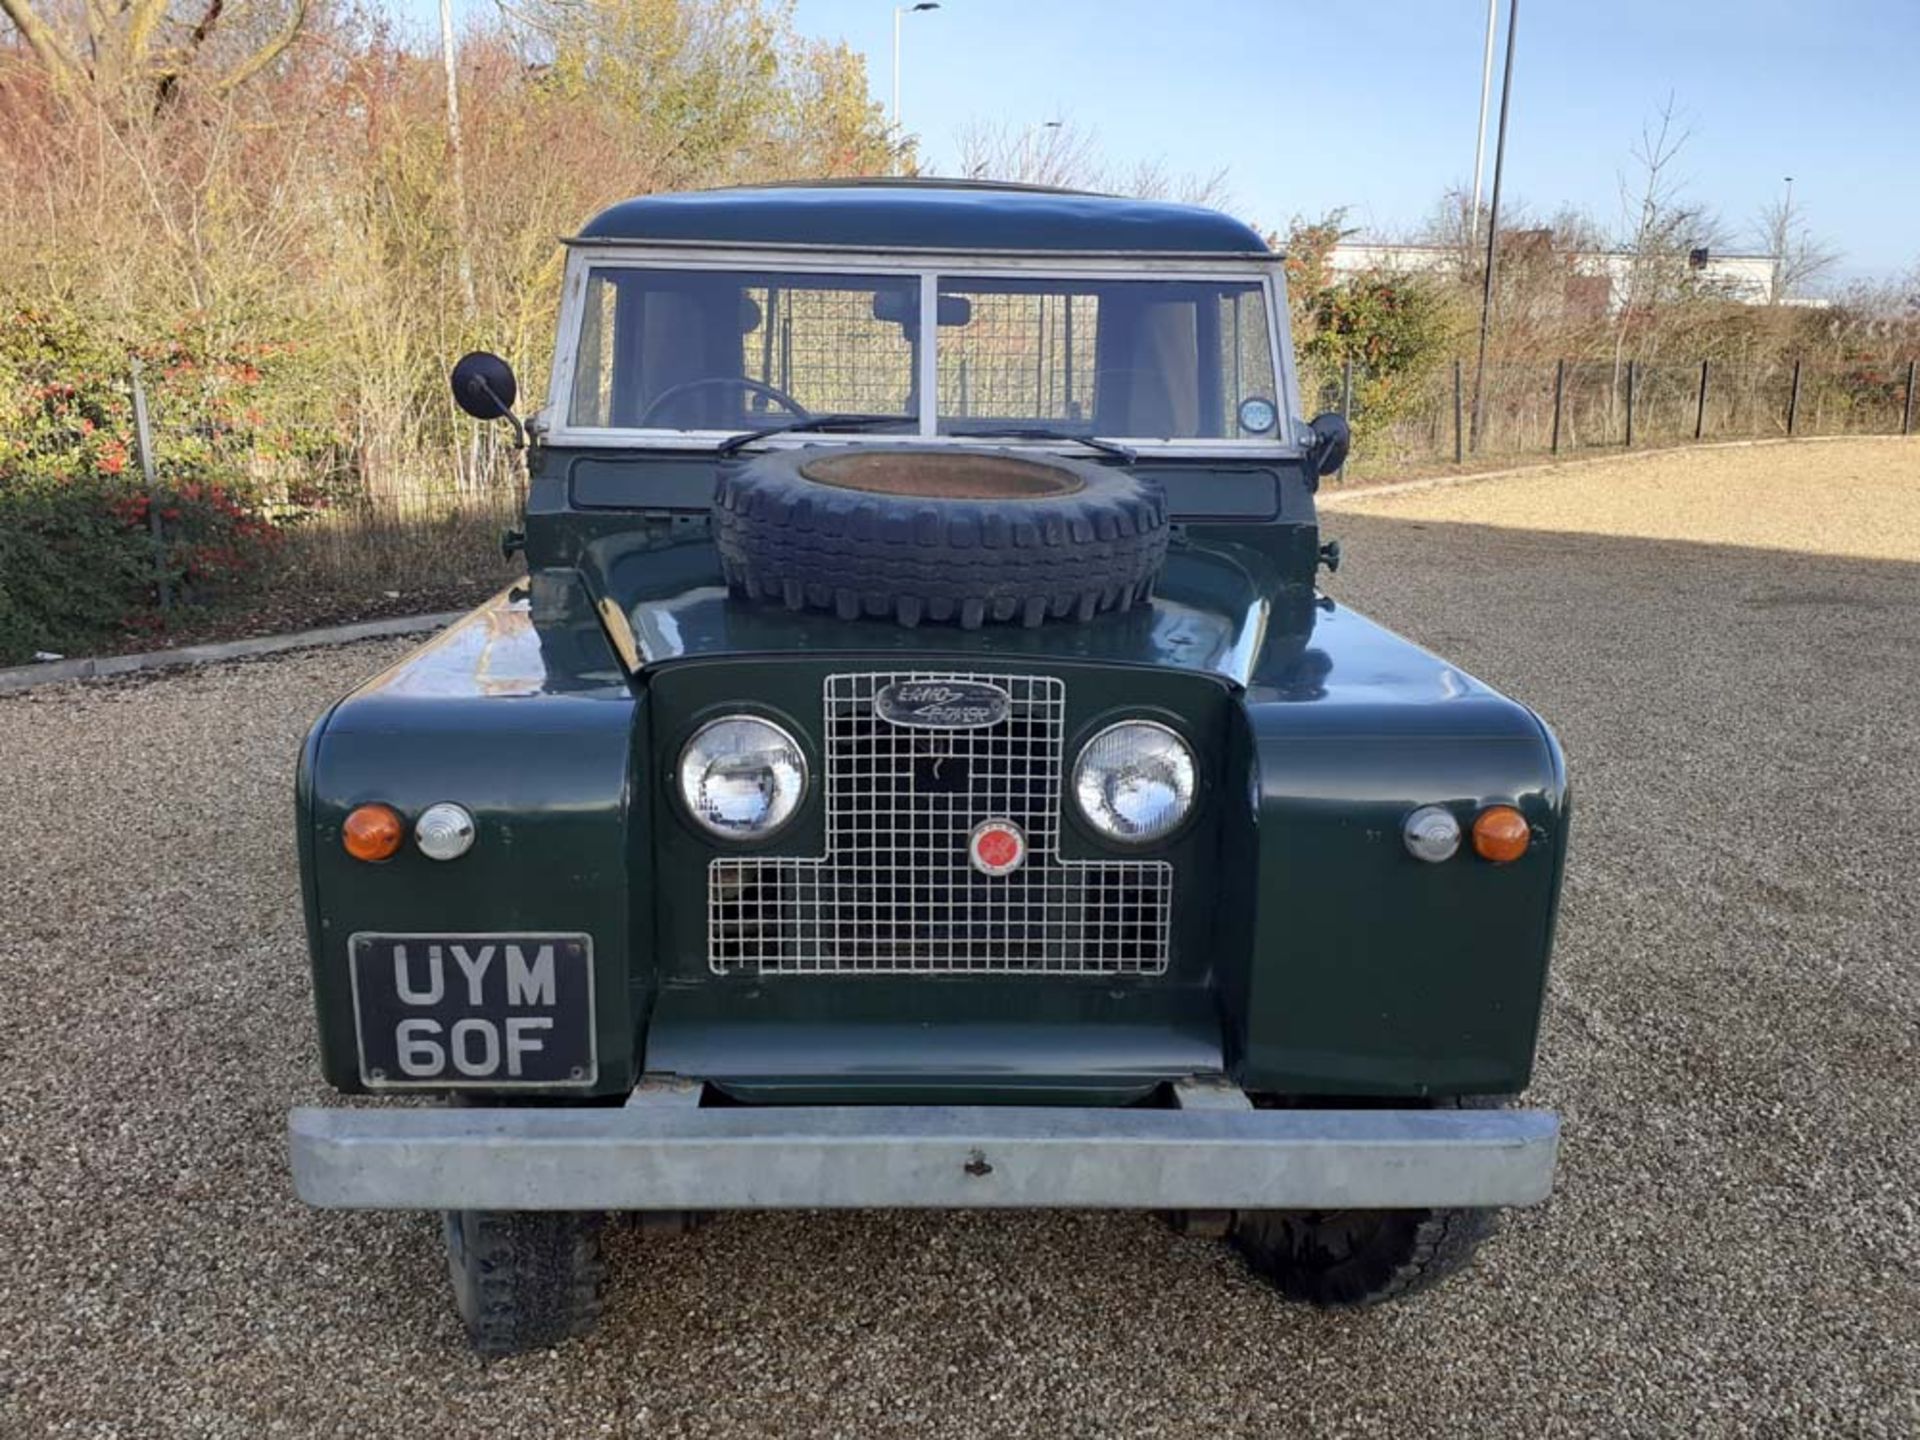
(1501, 834)
(373, 832)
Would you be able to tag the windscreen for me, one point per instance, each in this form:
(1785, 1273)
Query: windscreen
(733, 350)
(1142, 359)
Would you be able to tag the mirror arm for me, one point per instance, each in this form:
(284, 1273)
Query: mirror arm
(506, 412)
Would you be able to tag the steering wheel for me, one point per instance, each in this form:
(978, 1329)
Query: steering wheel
(737, 382)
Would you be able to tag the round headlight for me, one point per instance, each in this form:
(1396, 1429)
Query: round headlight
(1134, 782)
(742, 778)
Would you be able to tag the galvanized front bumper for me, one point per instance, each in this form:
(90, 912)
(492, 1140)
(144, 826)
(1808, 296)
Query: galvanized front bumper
(686, 1157)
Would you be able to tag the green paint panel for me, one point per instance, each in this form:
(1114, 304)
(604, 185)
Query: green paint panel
(1310, 954)
(541, 757)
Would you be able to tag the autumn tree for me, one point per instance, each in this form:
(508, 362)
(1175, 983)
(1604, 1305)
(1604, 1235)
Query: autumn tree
(114, 48)
(707, 91)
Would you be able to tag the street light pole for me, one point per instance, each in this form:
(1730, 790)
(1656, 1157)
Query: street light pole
(450, 60)
(1480, 140)
(1493, 227)
(1029, 164)
(898, 11)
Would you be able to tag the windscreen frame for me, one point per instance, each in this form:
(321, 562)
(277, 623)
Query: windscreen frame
(1289, 438)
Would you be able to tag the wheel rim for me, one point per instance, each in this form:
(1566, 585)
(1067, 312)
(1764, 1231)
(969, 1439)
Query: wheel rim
(933, 475)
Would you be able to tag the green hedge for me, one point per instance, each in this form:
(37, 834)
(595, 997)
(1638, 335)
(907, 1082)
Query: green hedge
(79, 567)
(72, 567)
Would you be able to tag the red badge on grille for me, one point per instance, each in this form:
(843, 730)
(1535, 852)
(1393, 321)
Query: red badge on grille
(997, 847)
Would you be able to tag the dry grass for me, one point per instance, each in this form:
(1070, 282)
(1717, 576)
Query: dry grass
(405, 542)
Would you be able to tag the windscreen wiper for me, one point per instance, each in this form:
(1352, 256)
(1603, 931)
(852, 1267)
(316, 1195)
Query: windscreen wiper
(835, 420)
(1124, 454)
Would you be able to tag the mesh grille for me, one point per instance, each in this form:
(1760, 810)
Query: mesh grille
(895, 892)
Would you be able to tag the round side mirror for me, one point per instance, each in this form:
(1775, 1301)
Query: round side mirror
(484, 387)
(1334, 439)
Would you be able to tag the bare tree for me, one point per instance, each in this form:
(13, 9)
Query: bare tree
(1151, 180)
(1661, 227)
(1660, 230)
(1452, 225)
(1061, 153)
(109, 46)
(1799, 256)
(1052, 152)
(1575, 231)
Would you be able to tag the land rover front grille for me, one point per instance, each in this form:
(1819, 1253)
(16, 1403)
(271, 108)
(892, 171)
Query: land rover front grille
(896, 891)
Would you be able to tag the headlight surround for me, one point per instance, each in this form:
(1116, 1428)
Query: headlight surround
(741, 777)
(1135, 782)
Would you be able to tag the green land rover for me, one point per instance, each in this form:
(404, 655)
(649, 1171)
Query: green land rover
(920, 770)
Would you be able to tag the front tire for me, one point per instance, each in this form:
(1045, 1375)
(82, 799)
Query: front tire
(1348, 1258)
(1344, 1258)
(524, 1279)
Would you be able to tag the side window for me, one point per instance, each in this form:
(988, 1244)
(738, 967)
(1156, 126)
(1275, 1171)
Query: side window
(1250, 391)
(592, 399)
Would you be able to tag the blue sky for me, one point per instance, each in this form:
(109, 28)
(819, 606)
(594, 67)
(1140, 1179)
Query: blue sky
(1311, 105)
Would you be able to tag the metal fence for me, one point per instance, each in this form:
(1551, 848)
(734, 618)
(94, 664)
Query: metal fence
(1559, 407)
(352, 515)
(359, 513)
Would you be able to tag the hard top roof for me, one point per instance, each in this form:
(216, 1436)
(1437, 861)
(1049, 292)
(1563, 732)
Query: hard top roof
(921, 214)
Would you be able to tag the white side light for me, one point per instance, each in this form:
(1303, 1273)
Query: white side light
(1432, 834)
(444, 831)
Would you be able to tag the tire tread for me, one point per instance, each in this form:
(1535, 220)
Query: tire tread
(975, 561)
(525, 1279)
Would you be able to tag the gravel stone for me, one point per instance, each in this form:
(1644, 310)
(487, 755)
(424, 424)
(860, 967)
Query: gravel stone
(1733, 1248)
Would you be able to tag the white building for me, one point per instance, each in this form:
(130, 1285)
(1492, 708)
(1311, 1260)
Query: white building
(1597, 279)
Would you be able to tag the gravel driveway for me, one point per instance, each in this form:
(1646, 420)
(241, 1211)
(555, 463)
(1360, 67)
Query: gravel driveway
(1731, 1038)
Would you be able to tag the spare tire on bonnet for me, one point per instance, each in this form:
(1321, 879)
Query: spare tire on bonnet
(936, 534)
